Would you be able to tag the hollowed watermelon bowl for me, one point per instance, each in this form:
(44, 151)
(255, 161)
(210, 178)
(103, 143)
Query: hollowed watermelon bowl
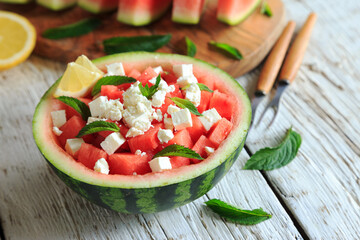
(152, 192)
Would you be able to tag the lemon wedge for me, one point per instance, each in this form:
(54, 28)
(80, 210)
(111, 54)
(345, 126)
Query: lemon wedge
(17, 39)
(77, 81)
(85, 62)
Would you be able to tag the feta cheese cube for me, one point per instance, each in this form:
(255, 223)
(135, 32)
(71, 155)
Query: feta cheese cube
(113, 110)
(94, 119)
(112, 142)
(168, 122)
(182, 119)
(57, 131)
(209, 118)
(102, 166)
(209, 150)
(158, 98)
(98, 106)
(193, 94)
(171, 88)
(133, 132)
(172, 109)
(158, 70)
(73, 145)
(160, 164)
(115, 69)
(186, 80)
(158, 115)
(181, 70)
(165, 135)
(58, 118)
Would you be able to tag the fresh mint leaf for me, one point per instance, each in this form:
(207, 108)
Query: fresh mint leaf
(272, 158)
(149, 92)
(178, 150)
(202, 87)
(265, 9)
(190, 47)
(227, 50)
(237, 215)
(138, 43)
(76, 104)
(111, 80)
(184, 103)
(98, 126)
(72, 30)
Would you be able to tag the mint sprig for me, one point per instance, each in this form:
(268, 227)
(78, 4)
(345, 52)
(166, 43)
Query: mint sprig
(98, 126)
(272, 158)
(76, 104)
(178, 150)
(265, 9)
(228, 50)
(237, 215)
(184, 103)
(190, 47)
(202, 87)
(72, 30)
(147, 91)
(111, 80)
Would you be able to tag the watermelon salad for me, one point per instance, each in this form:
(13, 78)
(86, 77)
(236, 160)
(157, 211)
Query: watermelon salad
(117, 169)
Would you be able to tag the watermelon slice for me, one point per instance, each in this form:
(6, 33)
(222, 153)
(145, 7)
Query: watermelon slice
(233, 12)
(98, 6)
(187, 11)
(57, 5)
(141, 12)
(145, 193)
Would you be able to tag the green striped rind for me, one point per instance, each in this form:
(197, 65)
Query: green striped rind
(56, 5)
(92, 7)
(242, 15)
(149, 200)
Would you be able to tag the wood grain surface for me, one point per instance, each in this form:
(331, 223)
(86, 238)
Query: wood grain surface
(253, 38)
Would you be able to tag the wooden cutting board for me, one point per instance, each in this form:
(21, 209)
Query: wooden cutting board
(254, 37)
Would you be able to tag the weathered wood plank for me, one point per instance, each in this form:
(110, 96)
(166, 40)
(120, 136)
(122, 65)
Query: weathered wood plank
(35, 203)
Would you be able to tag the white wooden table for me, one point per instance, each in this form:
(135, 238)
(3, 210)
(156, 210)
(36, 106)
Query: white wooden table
(317, 196)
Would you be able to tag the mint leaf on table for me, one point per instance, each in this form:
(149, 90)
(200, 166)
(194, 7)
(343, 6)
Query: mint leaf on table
(227, 50)
(98, 126)
(76, 104)
(137, 43)
(265, 9)
(72, 30)
(190, 47)
(111, 80)
(237, 215)
(272, 158)
(178, 150)
(184, 103)
(149, 92)
(202, 87)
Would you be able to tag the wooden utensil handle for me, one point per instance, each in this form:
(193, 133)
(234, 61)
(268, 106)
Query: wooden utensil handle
(297, 50)
(275, 59)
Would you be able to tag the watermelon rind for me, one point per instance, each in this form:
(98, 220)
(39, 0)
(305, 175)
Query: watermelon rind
(92, 7)
(241, 17)
(56, 5)
(152, 192)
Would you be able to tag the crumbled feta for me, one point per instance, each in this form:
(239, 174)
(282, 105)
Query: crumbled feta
(158, 115)
(158, 98)
(98, 106)
(57, 131)
(94, 119)
(186, 80)
(113, 110)
(58, 118)
(138, 152)
(158, 70)
(134, 173)
(133, 132)
(181, 119)
(168, 122)
(171, 88)
(73, 145)
(181, 70)
(209, 150)
(209, 118)
(160, 163)
(112, 142)
(165, 135)
(102, 166)
(193, 94)
(115, 69)
(172, 108)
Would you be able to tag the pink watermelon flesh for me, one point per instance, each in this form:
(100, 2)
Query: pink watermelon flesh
(220, 131)
(177, 162)
(233, 12)
(187, 11)
(89, 154)
(199, 147)
(146, 142)
(98, 6)
(223, 104)
(128, 164)
(71, 128)
(141, 12)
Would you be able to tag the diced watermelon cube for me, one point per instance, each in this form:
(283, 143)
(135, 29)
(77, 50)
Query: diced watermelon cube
(205, 101)
(169, 78)
(148, 74)
(134, 73)
(220, 131)
(97, 140)
(112, 92)
(208, 81)
(224, 104)
(166, 104)
(177, 92)
(71, 128)
(177, 162)
(197, 129)
(146, 142)
(199, 147)
(89, 154)
(181, 138)
(128, 163)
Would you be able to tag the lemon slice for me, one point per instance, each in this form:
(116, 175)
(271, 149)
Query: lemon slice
(85, 62)
(77, 81)
(17, 39)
